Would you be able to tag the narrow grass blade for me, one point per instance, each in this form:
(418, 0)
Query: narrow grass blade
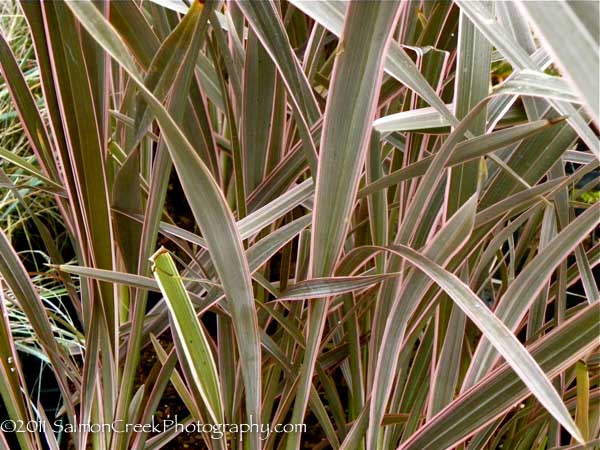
(27, 110)
(29, 168)
(12, 383)
(18, 281)
(16, 277)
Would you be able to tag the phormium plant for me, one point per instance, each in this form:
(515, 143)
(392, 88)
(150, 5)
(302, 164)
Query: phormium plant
(299, 224)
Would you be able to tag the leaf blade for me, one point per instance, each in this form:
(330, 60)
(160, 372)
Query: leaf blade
(507, 344)
(193, 340)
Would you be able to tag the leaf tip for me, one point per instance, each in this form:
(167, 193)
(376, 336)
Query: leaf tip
(157, 253)
(557, 120)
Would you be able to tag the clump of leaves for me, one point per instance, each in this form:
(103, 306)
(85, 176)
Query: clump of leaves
(369, 210)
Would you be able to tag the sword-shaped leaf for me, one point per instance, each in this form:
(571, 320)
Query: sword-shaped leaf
(193, 341)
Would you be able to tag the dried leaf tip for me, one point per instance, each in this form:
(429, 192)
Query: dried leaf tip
(157, 253)
(557, 120)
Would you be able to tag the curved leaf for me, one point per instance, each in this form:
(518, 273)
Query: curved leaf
(500, 336)
(523, 290)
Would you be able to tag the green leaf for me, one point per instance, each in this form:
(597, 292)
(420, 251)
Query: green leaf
(257, 104)
(471, 86)
(412, 120)
(516, 55)
(259, 253)
(447, 370)
(275, 209)
(346, 128)
(111, 276)
(194, 343)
